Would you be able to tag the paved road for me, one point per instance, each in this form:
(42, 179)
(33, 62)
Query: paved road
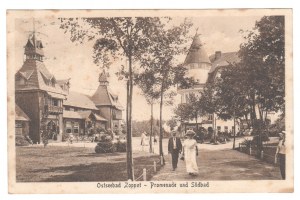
(220, 162)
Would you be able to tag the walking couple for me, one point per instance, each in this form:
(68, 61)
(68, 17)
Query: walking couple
(189, 149)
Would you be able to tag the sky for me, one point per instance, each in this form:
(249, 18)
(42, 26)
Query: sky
(65, 59)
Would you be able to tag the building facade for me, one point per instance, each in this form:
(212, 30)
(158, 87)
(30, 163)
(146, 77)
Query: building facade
(50, 105)
(38, 94)
(204, 69)
(108, 104)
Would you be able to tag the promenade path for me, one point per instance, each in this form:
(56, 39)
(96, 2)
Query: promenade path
(220, 162)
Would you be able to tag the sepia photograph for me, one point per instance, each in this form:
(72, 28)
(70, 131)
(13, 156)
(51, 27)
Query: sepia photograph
(150, 101)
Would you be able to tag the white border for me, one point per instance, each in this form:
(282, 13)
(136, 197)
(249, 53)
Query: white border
(141, 4)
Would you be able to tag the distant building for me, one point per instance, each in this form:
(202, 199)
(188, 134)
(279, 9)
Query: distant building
(108, 104)
(204, 69)
(80, 115)
(50, 105)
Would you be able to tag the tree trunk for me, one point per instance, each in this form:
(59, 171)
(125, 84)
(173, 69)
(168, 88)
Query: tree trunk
(130, 173)
(196, 123)
(160, 120)
(151, 128)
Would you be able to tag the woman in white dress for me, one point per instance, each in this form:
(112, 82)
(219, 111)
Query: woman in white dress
(190, 153)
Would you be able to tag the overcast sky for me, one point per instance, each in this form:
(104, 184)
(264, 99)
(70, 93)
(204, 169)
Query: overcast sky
(64, 59)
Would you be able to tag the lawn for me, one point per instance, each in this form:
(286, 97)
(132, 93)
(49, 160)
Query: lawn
(76, 164)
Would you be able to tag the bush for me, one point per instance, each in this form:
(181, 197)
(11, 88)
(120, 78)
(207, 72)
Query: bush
(105, 147)
(21, 141)
(247, 143)
(121, 146)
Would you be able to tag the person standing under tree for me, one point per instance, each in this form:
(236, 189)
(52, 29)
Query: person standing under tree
(190, 151)
(280, 153)
(174, 148)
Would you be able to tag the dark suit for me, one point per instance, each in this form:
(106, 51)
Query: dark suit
(174, 151)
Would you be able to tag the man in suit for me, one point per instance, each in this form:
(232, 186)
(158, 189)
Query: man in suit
(174, 148)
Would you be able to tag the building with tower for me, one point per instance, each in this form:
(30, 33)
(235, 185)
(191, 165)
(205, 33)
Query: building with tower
(38, 94)
(108, 103)
(204, 69)
(49, 106)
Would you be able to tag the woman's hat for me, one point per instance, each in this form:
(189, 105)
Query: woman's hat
(190, 132)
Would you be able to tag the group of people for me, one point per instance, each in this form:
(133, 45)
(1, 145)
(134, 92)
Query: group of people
(188, 149)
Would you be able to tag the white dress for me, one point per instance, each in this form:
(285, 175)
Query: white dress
(190, 155)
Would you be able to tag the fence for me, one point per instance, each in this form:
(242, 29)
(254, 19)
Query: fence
(146, 172)
(267, 154)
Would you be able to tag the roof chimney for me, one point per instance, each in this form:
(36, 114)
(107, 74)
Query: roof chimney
(218, 55)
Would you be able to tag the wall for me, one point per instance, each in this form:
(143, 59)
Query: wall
(29, 103)
(105, 112)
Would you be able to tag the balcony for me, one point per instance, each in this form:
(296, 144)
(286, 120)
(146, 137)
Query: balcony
(53, 109)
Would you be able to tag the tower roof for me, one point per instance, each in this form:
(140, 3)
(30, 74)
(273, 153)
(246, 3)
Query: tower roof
(34, 46)
(103, 77)
(197, 53)
(34, 73)
(104, 97)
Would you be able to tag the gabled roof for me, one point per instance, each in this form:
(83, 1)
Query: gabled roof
(197, 53)
(224, 60)
(20, 115)
(26, 74)
(37, 76)
(63, 81)
(79, 100)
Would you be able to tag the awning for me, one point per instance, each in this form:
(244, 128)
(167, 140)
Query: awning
(56, 95)
(99, 118)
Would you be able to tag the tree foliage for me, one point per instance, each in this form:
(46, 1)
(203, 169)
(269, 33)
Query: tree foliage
(254, 86)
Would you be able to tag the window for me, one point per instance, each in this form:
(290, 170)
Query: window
(226, 129)
(219, 128)
(55, 102)
(68, 127)
(76, 127)
(210, 117)
(18, 124)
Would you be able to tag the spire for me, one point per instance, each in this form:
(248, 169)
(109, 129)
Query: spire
(103, 78)
(196, 53)
(34, 48)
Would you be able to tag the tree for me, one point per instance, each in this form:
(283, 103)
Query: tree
(147, 82)
(161, 61)
(263, 60)
(116, 37)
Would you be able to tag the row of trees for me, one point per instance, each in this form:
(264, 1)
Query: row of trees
(149, 44)
(251, 88)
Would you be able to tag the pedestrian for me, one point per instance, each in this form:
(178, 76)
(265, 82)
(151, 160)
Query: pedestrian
(280, 153)
(174, 148)
(143, 140)
(155, 140)
(190, 151)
